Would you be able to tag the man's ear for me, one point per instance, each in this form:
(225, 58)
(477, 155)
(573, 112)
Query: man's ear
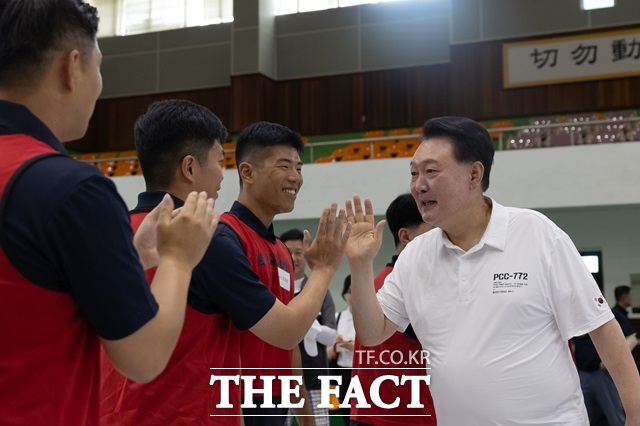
(246, 171)
(70, 64)
(186, 167)
(477, 173)
(403, 236)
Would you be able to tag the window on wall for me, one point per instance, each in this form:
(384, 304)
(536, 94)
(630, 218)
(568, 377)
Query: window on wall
(285, 7)
(126, 17)
(593, 261)
(596, 4)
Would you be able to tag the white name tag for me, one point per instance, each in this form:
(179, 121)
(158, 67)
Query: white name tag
(285, 279)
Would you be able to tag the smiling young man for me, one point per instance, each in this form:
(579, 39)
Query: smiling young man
(71, 278)
(493, 295)
(249, 254)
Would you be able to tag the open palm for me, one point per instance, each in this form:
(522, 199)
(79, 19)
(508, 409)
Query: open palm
(366, 237)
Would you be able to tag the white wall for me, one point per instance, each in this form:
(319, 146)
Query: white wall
(592, 192)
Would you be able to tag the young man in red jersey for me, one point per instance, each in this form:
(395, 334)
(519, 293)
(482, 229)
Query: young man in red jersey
(70, 274)
(270, 172)
(371, 362)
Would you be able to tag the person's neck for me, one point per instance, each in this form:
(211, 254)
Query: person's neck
(39, 104)
(260, 212)
(176, 190)
(469, 230)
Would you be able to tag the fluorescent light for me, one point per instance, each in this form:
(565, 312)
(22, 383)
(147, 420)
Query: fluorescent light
(596, 4)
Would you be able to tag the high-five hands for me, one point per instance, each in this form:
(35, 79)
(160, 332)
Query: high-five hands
(182, 234)
(366, 236)
(331, 239)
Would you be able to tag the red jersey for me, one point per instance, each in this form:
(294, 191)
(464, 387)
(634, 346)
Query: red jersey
(401, 351)
(181, 395)
(49, 358)
(272, 263)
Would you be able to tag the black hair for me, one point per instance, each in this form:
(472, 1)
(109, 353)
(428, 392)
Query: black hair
(261, 135)
(169, 131)
(347, 285)
(403, 213)
(621, 290)
(292, 234)
(30, 30)
(470, 141)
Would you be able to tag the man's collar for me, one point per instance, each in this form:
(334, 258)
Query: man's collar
(495, 235)
(17, 119)
(148, 200)
(252, 220)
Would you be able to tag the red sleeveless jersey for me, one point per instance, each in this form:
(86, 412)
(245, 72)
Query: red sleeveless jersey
(49, 355)
(268, 260)
(181, 395)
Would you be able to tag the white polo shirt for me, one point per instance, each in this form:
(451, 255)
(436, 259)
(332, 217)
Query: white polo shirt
(497, 319)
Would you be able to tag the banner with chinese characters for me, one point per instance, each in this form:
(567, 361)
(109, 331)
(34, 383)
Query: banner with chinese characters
(594, 56)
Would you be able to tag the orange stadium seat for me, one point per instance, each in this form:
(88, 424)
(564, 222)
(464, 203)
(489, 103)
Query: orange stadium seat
(384, 154)
(339, 153)
(499, 125)
(328, 159)
(399, 132)
(107, 167)
(361, 149)
(373, 134)
(356, 156)
(87, 157)
(130, 153)
(126, 168)
(110, 154)
(380, 147)
(230, 160)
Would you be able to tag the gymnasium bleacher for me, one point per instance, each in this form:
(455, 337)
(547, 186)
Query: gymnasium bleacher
(540, 132)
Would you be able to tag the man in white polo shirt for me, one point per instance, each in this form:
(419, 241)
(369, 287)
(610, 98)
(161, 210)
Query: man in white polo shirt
(494, 294)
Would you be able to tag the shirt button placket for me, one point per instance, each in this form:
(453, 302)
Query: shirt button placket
(463, 282)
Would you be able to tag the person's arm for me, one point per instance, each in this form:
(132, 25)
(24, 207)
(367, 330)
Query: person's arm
(326, 336)
(332, 350)
(81, 244)
(328, 312)
(372, 326)
(627, 329)
(632, 341)
(285, 326)
(614, 352)
(181, 243)
(303, 414)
